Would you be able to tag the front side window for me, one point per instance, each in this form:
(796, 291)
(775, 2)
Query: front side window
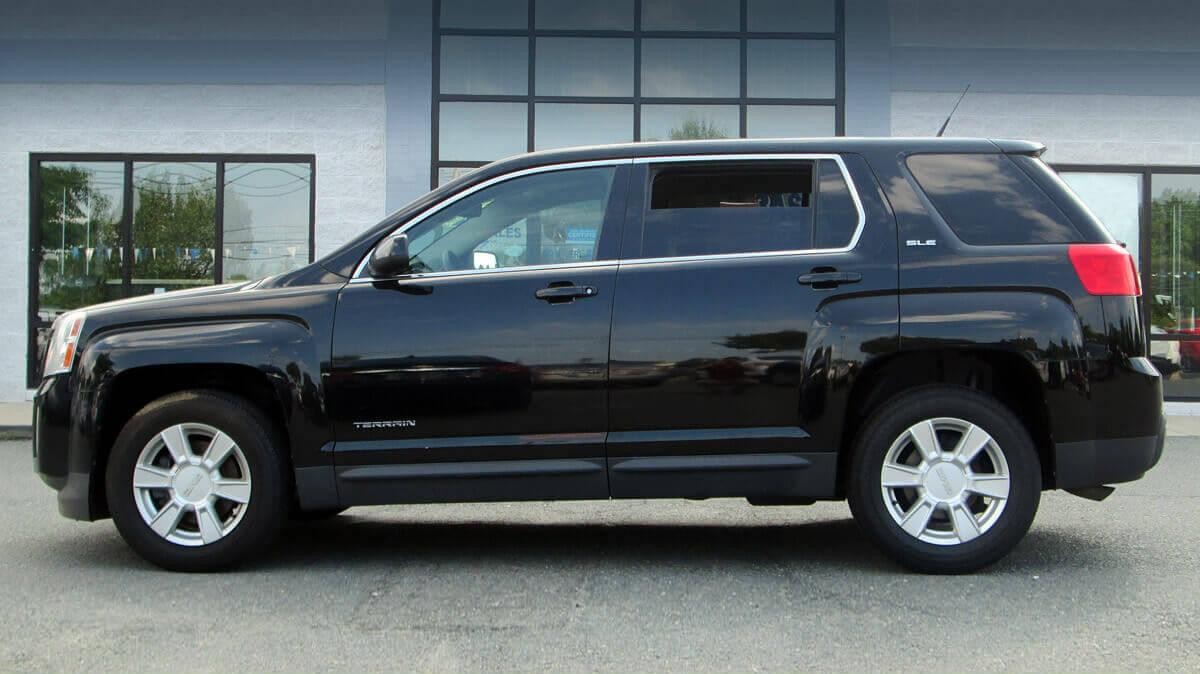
(544, 218)
(751, 207)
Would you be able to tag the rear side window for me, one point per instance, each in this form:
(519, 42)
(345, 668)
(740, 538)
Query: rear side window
(988, 200)
(747, 207)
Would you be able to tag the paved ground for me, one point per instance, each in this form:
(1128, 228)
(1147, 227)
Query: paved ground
(674, 586)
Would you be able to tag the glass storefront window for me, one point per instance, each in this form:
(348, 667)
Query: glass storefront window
(265, 227)
(689, 122)
(585, 15)
(484, 65)
(790, 121)
(699, 15)
(790, 16)
(481, 131)
(584, 66)
(1174, 253)
(174, 225)
(790, 68)
(1115, 199)
(143, 224)
(690, 68)
(495, 14)
(567, 124)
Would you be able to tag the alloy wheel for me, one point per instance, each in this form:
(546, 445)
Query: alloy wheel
(945, 481)
(192, 484)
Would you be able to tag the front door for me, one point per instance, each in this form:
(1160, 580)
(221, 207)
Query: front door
(753, 290)
(481, 375)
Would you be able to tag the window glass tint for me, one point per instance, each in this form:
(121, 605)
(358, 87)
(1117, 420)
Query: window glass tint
(174, 225)
(265, 223)
(585, 15)
(790, 16)
(482, 131)
(485, 14)
(790, 121)
(484, 65)
(690, 15)
(545, 218)
(837, 216)
(987, 200)
(689, 122)
(790, 68)
(709, 210)
(566, 124)
(691, 68)
(584, 66)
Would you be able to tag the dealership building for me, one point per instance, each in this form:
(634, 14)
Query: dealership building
(150, 146)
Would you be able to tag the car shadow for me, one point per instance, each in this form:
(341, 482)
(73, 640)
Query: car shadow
(352, 541)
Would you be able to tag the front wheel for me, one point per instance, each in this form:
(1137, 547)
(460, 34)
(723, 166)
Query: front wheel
(944, 480)
(195, 481)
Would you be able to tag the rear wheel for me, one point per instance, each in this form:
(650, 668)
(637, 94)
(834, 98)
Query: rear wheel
(195, 481)
(944, 480)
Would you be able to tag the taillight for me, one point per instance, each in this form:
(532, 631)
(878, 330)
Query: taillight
(1105, 269)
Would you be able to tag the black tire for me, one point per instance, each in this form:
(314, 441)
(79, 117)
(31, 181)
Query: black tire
(872, 510)
(268, 502)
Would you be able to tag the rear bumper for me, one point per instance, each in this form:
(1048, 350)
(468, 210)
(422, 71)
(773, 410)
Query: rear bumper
(1093, 463)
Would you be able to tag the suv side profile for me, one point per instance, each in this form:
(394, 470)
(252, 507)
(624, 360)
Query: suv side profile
(936, 330)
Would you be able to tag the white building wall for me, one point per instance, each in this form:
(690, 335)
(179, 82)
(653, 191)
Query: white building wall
(343, 125)
(1076, 128)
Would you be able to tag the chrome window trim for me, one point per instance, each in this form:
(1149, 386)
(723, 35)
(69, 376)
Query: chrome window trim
(360, 276)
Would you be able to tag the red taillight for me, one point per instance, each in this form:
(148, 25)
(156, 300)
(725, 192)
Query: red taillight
(1105, 269)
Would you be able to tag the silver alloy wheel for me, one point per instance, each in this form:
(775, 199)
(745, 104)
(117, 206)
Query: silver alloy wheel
(945, 496)
(191, 484)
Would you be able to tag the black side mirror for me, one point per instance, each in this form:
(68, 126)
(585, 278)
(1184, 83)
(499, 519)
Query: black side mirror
(390, 258)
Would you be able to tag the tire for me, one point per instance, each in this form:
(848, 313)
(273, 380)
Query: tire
(212, 514)
(920, 519)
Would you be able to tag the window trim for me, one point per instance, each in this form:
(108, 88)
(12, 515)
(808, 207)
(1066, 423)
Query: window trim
(127, 160)
(360, 275)
(742, 100)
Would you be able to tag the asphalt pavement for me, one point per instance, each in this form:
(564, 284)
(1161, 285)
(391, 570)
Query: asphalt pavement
(612, 586)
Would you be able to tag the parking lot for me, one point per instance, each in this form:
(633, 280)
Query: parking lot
(618, 586)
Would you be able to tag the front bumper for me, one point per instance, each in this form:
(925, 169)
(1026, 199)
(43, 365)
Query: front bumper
(1092, 463)
(66, 471)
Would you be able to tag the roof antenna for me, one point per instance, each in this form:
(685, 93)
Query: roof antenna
(948, 117)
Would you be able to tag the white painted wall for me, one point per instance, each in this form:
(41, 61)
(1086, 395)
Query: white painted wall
(343, 125)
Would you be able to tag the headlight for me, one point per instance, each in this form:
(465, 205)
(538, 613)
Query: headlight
(60, 352)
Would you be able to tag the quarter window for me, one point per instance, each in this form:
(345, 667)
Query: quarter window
(987, 200)
(544, 218)
(751, 207)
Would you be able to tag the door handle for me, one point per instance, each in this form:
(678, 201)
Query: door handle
(829, 279)
(556, 294)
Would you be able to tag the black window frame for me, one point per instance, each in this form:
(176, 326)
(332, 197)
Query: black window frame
(743, 35)
(127, 160)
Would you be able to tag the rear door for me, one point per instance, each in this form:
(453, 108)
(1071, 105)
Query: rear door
(749, 288)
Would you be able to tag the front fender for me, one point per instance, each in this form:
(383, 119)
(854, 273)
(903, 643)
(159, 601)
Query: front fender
(282, 350)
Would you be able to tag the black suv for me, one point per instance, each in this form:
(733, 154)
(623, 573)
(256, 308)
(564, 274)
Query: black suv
(934, 329)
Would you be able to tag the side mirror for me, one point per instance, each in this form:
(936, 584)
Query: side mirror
(484, 260)
(390, 258)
